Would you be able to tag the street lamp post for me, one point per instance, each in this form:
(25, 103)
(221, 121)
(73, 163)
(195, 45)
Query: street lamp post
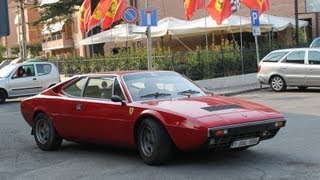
(23, 32)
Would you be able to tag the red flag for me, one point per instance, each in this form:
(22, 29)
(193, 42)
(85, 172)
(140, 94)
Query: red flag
(191, 6)
(114, 13)
(222, 9)
(84, 12)
(260, 5)
(99, 13)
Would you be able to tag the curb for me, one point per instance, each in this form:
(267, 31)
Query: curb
(242, 91)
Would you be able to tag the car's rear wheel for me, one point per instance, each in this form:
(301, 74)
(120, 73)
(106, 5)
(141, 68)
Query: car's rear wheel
(302, 88)
(45, 134)
(278, 84)
(3, 96)
(154, 143)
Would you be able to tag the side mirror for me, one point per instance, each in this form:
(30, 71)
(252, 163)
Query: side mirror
(116, 98)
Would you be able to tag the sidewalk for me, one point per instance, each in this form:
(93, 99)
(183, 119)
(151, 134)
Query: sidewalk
(226, 85)
(233, 84)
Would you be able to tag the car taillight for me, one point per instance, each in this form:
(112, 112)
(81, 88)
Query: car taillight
(259, 68)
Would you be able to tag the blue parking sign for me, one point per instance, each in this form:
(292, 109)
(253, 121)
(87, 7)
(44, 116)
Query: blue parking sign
(255, 18)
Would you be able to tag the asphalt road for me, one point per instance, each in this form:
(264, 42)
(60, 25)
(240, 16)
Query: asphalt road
(293, 154)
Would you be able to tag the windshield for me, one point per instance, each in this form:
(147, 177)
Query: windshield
(6, 71)
(274, 56)
(160, 85)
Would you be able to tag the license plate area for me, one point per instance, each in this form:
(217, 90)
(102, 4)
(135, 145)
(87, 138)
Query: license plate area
(244, 142)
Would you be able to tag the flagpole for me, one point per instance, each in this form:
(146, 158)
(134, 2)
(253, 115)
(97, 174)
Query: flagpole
(205, 27)
(241, 45)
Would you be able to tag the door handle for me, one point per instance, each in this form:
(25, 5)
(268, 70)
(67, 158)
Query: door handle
(311, 69)
(79, 107)
(34, 79)
(284, 68)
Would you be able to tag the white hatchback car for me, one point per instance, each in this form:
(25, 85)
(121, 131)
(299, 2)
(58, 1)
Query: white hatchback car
(290, 67)
(26, 79)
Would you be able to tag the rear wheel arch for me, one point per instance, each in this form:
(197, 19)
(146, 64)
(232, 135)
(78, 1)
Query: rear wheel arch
(51, 85)
(270, 78)
(3, 99)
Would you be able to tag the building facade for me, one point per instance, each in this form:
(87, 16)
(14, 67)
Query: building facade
(33, 33)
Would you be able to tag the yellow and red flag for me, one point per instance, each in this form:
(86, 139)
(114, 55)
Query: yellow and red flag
(100, 11)
(260, 5)
(222, 9)
(85, 13)
(113, 14)
(191, 6)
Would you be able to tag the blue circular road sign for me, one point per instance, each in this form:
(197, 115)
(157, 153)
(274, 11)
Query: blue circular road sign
(130, 15)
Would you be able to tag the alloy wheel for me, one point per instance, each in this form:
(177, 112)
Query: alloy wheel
(147, 140)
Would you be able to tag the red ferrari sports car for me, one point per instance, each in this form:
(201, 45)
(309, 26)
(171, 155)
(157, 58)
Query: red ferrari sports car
(153, 111)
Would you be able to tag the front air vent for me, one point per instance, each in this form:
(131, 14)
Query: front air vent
(222, 107)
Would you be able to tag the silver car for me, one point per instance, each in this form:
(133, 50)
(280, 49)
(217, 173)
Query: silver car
(290, 67)
(26, 79)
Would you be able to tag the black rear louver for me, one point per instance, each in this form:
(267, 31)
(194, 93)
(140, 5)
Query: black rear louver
(223, 107)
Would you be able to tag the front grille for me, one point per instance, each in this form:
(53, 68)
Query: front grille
(263, 131)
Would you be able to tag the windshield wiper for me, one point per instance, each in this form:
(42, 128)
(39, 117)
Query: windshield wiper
(188, 92)
(155, 95)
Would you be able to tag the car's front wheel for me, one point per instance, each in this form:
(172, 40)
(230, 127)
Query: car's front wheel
(45, 134)
(3, 96)
(278, 84)
(154, 143)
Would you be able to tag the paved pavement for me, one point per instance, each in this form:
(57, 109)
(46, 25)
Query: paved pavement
(227, 85)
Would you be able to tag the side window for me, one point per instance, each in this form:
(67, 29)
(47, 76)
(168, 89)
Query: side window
(93, 88)
(117, 90)
(24, 71)
(314, 57)
(76, 88)
(296, 57)
(274, 57)
(43, 69)
(99, 87)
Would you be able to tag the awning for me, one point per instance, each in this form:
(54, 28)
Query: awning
(182, 28)
(52, 28)
(48, 2)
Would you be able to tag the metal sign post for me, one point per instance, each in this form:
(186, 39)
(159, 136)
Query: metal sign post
(256, 30)
(148, 17)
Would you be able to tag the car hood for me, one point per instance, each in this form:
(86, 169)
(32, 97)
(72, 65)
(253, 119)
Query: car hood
(222, 108)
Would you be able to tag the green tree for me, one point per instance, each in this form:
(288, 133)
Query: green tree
(2, 49)
(34, 49)
(61, 10)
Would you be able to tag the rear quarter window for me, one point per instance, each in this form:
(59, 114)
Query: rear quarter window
(275, 56)
(43, 69)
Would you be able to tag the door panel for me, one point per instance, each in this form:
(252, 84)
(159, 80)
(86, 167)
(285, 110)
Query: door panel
(294, 68)
(313, 68)
(25, 83)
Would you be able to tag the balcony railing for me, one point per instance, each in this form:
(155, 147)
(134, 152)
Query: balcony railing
(57, 41)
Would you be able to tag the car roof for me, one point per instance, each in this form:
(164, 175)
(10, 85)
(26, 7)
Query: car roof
(294, 49)
(121, 73)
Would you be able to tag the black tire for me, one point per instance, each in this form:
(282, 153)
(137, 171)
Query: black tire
(302, 88)
(45, 134)
(278, 84)
(154, 143)
(3, 96)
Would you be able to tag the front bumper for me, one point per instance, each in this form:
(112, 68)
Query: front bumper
(262, 129)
